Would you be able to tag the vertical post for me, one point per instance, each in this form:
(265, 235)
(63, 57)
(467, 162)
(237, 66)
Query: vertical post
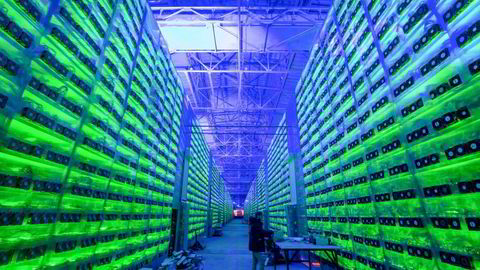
(299, 216)
(52, 8)
(265, 186)
(209, 208)
(180, 191)
(181, 180)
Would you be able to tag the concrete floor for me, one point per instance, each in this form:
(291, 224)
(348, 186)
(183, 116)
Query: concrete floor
(230, 252)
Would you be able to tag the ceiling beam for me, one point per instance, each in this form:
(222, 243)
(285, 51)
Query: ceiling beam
(158, 5)
(239, 61)
(242, 111)
(250, 165)
(212, 98)
(259, 87)
(237, 182)
(173, 51)
(237, 133)
(235, 126)
(231, 71)
(226, 16)
(202, 63)
(237, 36)
(238, 155)
(229, 24)
(187, 75)
(258, 14)
(234, 192)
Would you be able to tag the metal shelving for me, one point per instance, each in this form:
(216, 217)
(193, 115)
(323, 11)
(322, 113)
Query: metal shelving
(279, 190)
(384, 145)
(88, 146)
(198, 181)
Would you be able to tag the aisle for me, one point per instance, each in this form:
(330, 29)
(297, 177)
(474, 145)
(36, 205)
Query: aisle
(230, 252)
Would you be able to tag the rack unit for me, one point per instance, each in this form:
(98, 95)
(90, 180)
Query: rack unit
(249, 209)
(87, 150)
(278, 180)
(388, 117)
(198, 173)
(217, 197)
(260, 189)
(255, 201)
(227, 207)
(221, 201)
(206, 188)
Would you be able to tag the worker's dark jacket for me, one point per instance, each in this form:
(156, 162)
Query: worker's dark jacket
(256, 241)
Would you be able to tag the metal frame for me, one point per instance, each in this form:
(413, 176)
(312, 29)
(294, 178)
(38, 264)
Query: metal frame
(239, 95)
(250, 16)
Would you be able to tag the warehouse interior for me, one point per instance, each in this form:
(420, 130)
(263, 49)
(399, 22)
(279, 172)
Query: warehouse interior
(132, 130)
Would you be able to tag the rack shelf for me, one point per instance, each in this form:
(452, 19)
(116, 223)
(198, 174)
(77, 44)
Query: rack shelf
(79, 170)
(372, 176)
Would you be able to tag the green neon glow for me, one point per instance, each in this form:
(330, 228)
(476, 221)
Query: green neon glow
(33, 132)
(101, 113)
(67, 58)
(92, 154)
(52, 109)
(18, 161)
(109, 53)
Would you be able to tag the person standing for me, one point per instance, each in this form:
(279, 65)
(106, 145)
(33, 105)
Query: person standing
(256, 241)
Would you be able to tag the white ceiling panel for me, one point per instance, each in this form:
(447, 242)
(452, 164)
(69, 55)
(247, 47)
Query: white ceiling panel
(226, 37)
(188, 38)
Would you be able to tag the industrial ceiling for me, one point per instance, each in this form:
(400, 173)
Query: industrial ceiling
(240, 62)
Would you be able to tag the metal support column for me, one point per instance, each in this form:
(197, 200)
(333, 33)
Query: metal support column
(297, 222)
(181, 180)
(209, 209)
(265, 186)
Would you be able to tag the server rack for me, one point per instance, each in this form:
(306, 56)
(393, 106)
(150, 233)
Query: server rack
(257, 199)
(387, 113)
(87, 150)
(227, 207)
(198, 173)
(221, 202)
(279, 189)
(249, 208)
(257, 191)
(209, 203)
(216, 198)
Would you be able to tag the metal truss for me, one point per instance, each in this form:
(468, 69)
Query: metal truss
(256, 64)
(233, 71)
(251, 16)
(239, 93)
(235, 3)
